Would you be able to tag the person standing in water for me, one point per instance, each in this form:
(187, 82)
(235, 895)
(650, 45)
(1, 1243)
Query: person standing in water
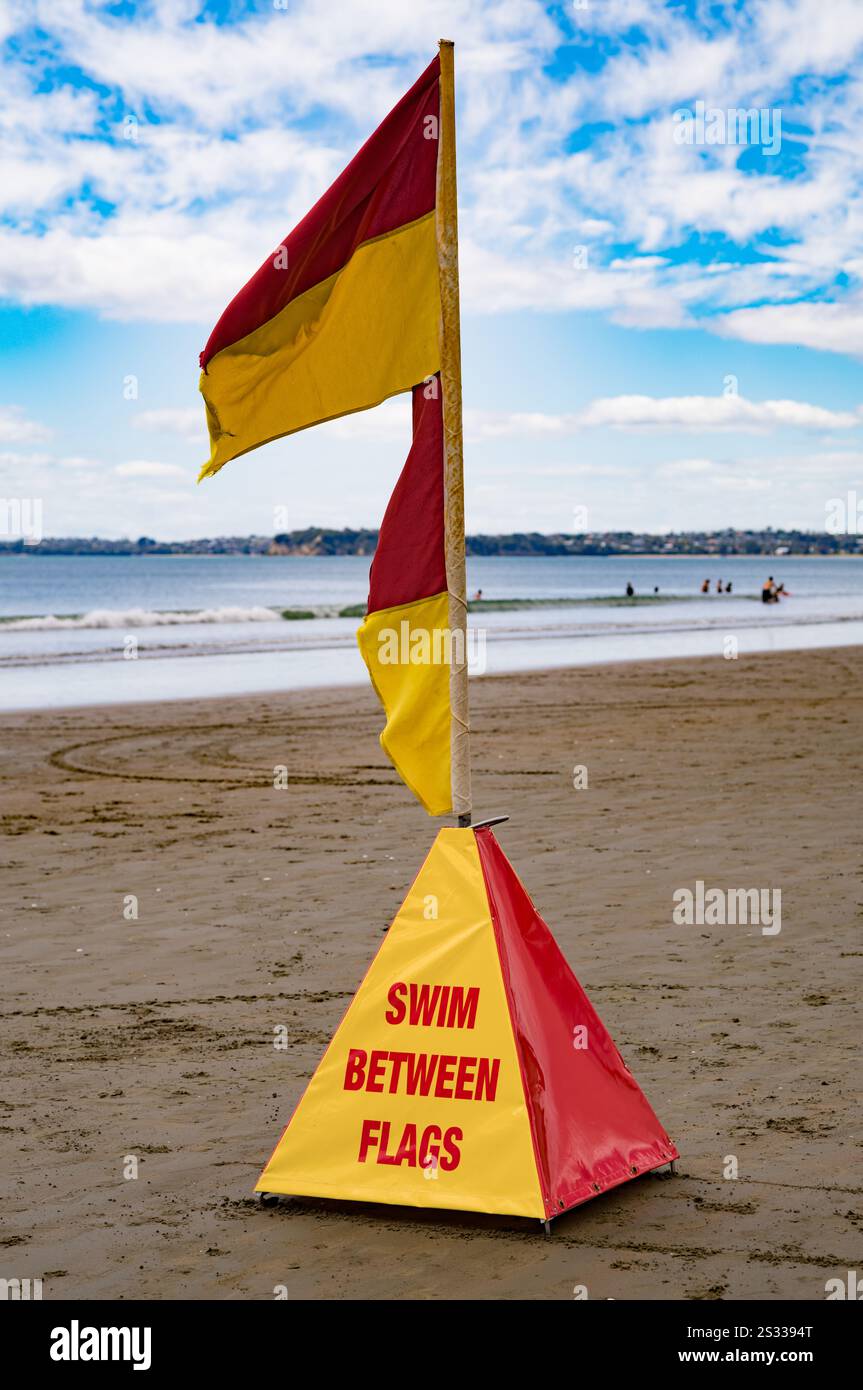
(705, 588)
(630, 592)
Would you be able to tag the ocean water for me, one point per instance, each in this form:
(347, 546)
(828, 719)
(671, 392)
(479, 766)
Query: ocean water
(91, 630)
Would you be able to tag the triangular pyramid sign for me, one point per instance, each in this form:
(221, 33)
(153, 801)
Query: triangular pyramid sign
(470, 1070)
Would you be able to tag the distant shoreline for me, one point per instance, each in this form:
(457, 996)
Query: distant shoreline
(8, 550)
(322, 543)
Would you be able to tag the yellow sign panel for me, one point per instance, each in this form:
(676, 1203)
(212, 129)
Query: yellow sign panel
(418, 1100)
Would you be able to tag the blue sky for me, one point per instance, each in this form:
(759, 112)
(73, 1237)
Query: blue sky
(660, 332)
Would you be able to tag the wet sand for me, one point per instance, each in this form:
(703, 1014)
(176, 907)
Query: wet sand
(153, 1038)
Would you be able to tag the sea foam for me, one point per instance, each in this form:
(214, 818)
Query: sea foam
(140, 617)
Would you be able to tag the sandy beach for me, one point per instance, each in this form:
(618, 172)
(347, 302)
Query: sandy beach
(257, 908)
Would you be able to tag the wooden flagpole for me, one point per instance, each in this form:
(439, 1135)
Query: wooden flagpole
(450, 372)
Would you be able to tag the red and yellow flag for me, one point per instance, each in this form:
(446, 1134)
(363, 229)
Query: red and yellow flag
(346, 311)
(359, 303)
(406, 637)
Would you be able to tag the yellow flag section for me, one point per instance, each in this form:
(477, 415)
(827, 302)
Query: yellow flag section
(359, 336)
(414, 693)
(418, 1100)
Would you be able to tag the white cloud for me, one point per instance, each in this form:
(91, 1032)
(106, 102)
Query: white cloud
(141, 268)
(689, 414)
(242, 146)
(144, 468)
(189, 422)
(687, 468)
(501, 424)
(390, 422)
(12, 459)
(78, 464)
(19, 463)
(528, 279)
(701, 413)
(806, 479)
(828, 327)
(16, 428)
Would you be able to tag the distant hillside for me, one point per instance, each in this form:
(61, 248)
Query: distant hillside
(319, 540)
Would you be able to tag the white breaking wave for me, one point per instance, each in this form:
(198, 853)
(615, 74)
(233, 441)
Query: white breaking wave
(140, 617)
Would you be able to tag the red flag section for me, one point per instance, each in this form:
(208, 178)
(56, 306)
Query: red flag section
(389, 183)
(470, 1071)
(591, 1124)
(410, 560)
(405, 637)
